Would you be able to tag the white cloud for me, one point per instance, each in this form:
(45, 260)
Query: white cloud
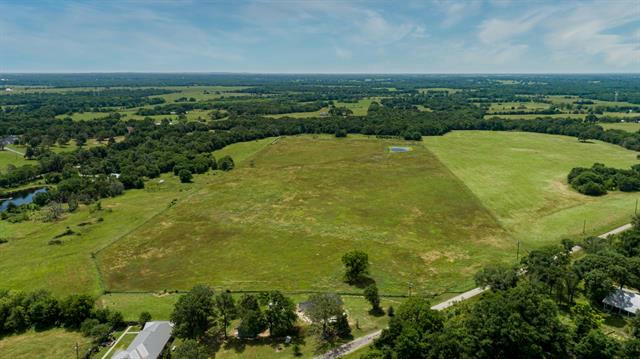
(343, 54)
(589, 31)
(497, 30)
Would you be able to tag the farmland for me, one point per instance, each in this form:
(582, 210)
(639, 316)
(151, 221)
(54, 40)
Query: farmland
(296, 230)
(141, 213)
(521, 179)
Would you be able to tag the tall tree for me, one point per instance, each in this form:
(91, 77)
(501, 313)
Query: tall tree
(195, 313)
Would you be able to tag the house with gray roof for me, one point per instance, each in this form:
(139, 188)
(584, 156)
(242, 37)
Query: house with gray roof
(624, 300)
(149, 343)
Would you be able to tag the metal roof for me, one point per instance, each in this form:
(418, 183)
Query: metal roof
(623, 299)
(149, 343)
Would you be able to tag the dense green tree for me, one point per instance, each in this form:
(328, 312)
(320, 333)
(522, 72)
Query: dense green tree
(596, 345)
(530, 319)
(227, 308)
(598, 285)
(252, 324)
(372, 296)
(75, 309)
(497, 277)
(323, 308)
(190, 349)
(280, 313)
(185, 176)
(194, 313)
(144, 318)
(356, 264)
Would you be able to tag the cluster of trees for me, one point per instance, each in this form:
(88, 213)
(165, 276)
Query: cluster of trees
(202, 314)
(20, 311)
(599, 179)
(237, 106)
(530, 311)
(58, 103)
(202, 317)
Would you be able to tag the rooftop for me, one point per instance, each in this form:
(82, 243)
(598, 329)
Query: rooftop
(149, 343)
(623, 299)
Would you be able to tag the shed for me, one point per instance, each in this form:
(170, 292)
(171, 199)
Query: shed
(149, 343)
(623, 300)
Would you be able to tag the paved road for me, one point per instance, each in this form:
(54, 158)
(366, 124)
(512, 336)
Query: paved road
(350, 347)
(358, 343)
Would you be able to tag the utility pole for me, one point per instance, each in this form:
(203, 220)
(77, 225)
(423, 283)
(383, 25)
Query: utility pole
(584, 227)
(77, 356)
(636, 210)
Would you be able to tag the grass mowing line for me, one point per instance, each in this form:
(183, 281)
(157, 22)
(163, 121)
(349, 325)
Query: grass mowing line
(254, 212)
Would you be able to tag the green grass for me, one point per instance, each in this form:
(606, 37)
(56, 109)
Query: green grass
(448, 89)
(517, 106)
(578, 116)
(30, 263)
(284, 224)
(12, 158)
(53, 343)
(360, 320)
(625, 126)
(198, 92)
(131, 305)
(521, 179)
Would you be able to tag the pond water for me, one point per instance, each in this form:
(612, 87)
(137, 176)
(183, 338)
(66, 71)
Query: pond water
(21, 197)
(399, 149)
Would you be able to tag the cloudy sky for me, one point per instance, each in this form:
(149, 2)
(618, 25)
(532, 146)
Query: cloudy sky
(428, 36)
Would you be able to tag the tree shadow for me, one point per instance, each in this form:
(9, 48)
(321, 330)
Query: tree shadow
(363, 282)
(377, 312)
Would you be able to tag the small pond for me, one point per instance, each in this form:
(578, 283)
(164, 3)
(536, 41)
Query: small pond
(20, 197)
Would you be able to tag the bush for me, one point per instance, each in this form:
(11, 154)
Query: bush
(226, 163)
(592, 189)
(185, 176)
(144, 318)
(341, 133)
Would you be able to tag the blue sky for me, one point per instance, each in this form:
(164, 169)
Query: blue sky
(429, 36)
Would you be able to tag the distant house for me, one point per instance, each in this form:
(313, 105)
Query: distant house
(8, 89)
(149, 343)
(623, 300)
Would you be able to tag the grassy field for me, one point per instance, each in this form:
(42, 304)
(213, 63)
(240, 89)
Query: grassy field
(49, 344)
(578, 116)
(625, 126)
(285, 223)
(12, 158)
(517, 106)
(521, 179)
(200, 92)
(30, 263)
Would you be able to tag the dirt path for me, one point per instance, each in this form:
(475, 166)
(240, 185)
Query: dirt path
(358, 343)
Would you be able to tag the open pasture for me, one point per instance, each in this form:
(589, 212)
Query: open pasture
(52, 343)
(521, 179)
(517, 106)
(625, 126)
(284, 217)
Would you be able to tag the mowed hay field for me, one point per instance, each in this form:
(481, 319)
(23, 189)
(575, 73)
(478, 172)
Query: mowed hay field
(284, 217)
(521, 178)
(52, 343)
